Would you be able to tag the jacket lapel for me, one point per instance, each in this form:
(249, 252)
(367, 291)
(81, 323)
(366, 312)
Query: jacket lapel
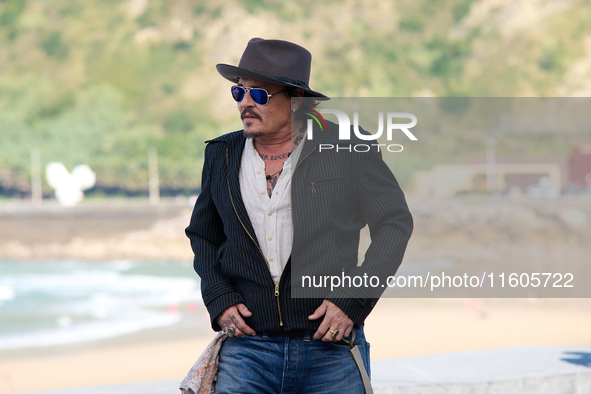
(234, 151)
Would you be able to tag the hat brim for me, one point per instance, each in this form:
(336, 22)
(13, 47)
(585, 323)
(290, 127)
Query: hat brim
(233, 74)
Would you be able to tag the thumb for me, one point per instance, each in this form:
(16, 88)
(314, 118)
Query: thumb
(244, 310)
(318, 313)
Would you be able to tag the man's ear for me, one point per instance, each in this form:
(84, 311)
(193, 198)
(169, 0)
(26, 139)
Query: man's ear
(297, 98)
(298, 92)
(298, 101)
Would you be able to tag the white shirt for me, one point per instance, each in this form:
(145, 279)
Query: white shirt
(270, 217)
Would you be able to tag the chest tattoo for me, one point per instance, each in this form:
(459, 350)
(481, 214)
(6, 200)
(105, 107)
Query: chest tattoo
(272, 181)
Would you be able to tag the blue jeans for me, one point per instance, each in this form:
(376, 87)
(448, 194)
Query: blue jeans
(274, 364)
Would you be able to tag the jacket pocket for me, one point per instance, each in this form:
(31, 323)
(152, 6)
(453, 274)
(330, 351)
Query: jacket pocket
(343, 260)
(221, 250)
(322, 181)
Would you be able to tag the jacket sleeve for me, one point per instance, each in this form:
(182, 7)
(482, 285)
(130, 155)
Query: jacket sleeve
(382, 204)
(206, 233)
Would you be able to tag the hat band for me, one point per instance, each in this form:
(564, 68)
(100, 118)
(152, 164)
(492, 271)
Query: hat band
(294, 82)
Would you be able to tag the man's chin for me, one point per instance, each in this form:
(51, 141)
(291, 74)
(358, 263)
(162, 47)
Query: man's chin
(250, 133)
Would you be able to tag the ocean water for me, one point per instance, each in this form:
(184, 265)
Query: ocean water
(52, 303)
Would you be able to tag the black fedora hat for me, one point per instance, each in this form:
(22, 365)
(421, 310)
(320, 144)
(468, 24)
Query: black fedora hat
(274, 61)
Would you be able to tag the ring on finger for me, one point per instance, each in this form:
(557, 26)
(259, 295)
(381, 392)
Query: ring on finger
(334, 333)
(231, 330)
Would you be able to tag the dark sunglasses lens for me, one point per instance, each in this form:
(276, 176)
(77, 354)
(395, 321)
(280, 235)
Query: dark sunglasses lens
(238, 93)
(259, 96)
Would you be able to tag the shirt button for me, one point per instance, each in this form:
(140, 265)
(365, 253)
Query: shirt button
(271, 259)
(270, 213)
(259, 172)
(262, 192)
(270, 238)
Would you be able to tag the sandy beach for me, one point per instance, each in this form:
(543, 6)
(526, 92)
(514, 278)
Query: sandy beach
(396, 328)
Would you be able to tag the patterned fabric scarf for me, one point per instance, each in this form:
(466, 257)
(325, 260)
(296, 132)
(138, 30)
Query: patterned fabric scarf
(201, 378)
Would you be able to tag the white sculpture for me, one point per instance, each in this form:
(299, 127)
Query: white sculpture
(69, 186)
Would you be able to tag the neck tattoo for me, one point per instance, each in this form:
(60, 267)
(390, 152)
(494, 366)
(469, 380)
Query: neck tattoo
(282, 156)
(299, 138)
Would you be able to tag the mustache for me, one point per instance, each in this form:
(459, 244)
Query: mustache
(250, 112)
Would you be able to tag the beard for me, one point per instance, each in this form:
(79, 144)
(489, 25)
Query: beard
(248, 132)
(252, 133)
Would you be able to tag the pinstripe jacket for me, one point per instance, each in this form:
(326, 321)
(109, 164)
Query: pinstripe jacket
(334, 195)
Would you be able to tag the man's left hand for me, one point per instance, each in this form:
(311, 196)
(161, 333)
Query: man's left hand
(334, 320)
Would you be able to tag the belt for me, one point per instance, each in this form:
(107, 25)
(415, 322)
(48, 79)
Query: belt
(288, 333)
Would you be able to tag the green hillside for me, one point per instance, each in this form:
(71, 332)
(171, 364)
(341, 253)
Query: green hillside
(101, 81)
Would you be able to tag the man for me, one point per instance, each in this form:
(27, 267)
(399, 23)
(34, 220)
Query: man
(268, 194)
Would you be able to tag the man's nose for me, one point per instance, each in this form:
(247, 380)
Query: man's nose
(247, 100)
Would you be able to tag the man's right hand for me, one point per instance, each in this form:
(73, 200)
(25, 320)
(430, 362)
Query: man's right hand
(232, 317)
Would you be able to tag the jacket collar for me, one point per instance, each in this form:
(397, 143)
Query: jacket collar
(233, 137)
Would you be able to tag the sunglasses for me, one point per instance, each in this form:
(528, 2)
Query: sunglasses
(258, 95)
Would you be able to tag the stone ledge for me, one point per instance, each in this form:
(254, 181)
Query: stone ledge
(520, 370)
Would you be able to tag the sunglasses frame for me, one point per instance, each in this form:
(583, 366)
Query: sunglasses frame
(248, 89)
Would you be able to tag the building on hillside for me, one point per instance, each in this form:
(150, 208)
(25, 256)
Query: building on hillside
(580, 167)
(537, 177)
